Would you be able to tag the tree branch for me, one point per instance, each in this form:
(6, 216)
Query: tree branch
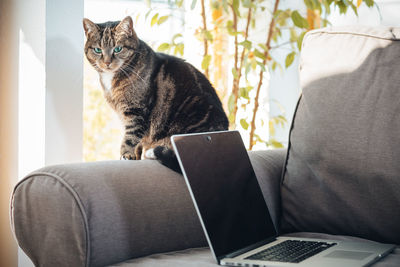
(235, 88)
(205, 41)
(261, 75)
(236, 80)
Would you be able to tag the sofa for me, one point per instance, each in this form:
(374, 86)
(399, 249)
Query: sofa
(339, 177)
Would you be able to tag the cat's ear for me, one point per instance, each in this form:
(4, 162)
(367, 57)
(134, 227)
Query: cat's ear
(89, 27)
(126, 26)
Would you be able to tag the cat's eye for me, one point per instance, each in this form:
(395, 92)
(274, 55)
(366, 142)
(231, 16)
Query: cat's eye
(97, 50)
(117, 49)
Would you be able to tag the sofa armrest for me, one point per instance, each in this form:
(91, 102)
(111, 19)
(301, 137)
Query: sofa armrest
(95, 214)
(268, 166)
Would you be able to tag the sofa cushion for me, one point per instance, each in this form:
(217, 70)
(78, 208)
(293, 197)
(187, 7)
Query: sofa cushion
(342, 173)
(202, 257)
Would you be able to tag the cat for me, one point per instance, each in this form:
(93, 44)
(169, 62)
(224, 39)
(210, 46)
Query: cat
(155, 95)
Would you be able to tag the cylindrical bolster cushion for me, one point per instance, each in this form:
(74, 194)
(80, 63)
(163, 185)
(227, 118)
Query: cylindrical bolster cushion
(49, 221)
(96, 214)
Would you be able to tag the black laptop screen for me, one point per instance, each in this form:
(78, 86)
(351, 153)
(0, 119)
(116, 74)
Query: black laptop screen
(226, 190)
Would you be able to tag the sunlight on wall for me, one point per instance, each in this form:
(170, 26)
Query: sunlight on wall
(31, 115)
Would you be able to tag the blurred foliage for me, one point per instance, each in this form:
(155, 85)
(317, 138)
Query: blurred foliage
(240, 20)
(245, 69)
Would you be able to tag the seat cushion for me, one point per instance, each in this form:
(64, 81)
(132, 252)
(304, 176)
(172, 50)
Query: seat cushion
(202, 257)
(342, 173)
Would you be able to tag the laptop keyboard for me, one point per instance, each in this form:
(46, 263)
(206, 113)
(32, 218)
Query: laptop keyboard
(293, 251)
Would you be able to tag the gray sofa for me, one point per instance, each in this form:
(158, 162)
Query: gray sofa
(338, 179)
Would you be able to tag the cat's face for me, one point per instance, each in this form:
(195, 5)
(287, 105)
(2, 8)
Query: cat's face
(110, 45)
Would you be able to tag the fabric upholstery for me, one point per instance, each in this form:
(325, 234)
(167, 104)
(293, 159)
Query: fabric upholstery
(96, 214)
(202, 257)
(342, 173)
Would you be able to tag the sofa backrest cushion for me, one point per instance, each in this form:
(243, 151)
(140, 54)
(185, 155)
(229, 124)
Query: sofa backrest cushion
(342, 173)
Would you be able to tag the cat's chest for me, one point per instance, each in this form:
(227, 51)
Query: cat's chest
(106, 80)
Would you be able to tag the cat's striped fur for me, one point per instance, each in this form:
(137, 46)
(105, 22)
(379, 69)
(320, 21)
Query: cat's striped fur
(156, 95)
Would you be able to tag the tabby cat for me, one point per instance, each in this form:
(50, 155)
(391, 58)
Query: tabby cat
(156, 95)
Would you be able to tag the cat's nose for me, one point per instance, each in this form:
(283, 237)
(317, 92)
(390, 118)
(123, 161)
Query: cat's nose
(107, 63)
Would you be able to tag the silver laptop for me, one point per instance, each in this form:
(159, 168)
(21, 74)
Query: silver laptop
(235, 217)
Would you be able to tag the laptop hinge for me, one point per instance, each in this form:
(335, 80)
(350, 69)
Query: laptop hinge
(247, 249)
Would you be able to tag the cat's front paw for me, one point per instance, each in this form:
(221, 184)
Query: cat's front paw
(129, 152)
(128, 156)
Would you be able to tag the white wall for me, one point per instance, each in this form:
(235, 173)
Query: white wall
(64, 81)
(40, 98)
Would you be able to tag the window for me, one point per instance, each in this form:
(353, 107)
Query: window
(103, 131)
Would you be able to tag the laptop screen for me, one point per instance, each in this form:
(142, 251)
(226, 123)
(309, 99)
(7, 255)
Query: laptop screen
(225, 190)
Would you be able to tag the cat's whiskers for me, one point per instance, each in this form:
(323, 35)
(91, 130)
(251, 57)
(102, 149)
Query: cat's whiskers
(131, 70)
(127, 76)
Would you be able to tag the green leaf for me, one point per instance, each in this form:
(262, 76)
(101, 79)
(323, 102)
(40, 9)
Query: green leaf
(262, 66)
(309, 4)
(274, 65)
(235, 73)
(275, 144)
(258, 138)
(163, 47)
(298, 20)
(369, 3)
(244, 124)
(248, 68)
(282, 120)
(263, 46)
(271, 128)
(231, 103)
(193, 4)
(206, 62)
(246, 44)
(180, 48)
(354, 8)
(253, 63)
(293, 34)
(342, 7)
(162, 19)
(327, 6)
(235, 5)
(282, 17)
(300, 40)
(176, 36)
(317, 5)
(137, 18)
(231, 118)
(259, 54)
(147, 14)
(154, 19)
(276, 35)
(208, 35)
(246, 3)
(244, 93)
(289, 59)
(229, 27)
(178, 3)
(325, 22)
(313, 4)
(225, 6)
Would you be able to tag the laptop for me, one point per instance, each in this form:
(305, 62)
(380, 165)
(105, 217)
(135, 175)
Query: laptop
(235, 217)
